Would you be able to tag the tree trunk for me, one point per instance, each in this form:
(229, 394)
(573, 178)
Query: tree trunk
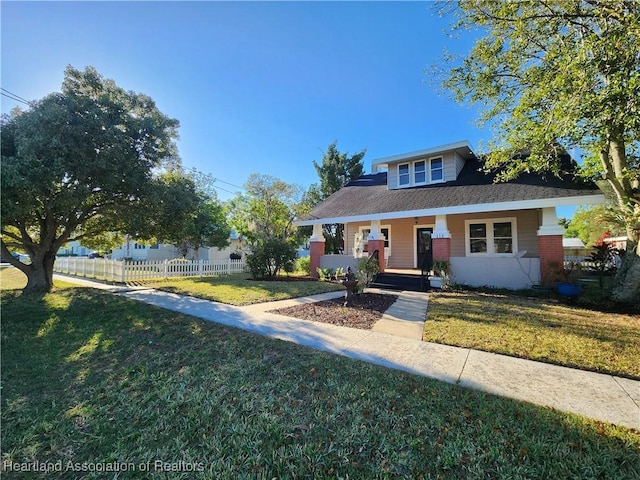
(40, 274)
(626, 285)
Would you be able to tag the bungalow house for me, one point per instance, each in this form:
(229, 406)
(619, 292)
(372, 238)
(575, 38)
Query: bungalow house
(437, 204)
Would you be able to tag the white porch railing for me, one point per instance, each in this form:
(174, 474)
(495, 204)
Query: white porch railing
(125, 271)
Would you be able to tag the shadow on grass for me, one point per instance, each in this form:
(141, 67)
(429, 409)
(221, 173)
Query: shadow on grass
(89, 377)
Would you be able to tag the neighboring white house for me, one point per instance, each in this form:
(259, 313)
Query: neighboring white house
(130, 249)
(575, 249)
(74, 249)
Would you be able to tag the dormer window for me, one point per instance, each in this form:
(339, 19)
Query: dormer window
(437, 172)
(420, 172)
(404, 177)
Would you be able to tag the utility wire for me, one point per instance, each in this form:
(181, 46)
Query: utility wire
(13, 96)
(222, 181)
(224, 190)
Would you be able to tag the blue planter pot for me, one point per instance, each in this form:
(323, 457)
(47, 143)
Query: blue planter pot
(570, 290)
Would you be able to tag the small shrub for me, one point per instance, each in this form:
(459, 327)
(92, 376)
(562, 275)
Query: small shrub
(441, 268)
(303, 265)
(269, 256)
(368, 269)
(235, 256)
(324, 274)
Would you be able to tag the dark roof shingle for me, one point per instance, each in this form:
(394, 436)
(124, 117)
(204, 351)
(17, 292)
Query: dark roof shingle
(369, 195)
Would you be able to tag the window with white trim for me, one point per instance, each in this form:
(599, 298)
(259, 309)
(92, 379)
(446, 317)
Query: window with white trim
(437, 169)
(404, 177)
(420, 172)
(365, 231)
(491, 237)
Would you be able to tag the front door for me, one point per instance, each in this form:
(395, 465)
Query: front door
(423, 245)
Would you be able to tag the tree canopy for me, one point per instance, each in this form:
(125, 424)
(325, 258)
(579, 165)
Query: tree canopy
(185, 215)
(335, 171)
(76, 165)
(264, 215)
(551, 75)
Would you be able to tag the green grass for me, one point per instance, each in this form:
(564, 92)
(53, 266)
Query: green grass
(93, 378)
(537, 329)
(238, 289)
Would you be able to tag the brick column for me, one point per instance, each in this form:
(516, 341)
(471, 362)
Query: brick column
(550, 248)
(441, 239)
(551, 256)
(441, 248)
(378, 245)
(316, 249)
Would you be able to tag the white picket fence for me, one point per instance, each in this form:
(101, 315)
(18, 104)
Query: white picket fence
(126, 271)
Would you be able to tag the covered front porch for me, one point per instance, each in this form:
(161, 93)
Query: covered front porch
(507, 249)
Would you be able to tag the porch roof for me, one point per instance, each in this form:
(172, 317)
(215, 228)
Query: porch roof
(368, 197)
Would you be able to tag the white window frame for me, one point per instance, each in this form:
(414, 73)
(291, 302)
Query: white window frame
(489, 224)
(408, 175)
(425, 172)
(387, 238)
(440, 180)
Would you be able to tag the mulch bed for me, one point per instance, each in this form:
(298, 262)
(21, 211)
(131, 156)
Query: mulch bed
(363, 311)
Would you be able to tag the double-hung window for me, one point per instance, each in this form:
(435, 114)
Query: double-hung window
(404, 177)
(437, 170)
(491, 237)
(420, 172)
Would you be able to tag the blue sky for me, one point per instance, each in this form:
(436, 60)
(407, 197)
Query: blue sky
(258, 87)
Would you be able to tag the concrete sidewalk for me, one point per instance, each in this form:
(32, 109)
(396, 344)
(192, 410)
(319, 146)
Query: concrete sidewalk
(599, 396)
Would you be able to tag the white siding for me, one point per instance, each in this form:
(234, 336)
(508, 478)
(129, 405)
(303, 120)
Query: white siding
(459, 163)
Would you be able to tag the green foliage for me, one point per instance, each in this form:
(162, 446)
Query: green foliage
(589, 224)
(78, 164)
(552, 76)
(185, 215)
(324, 274)
(267, 209)
(269, 256)
(368, 268)
(441, 268)
(336, 170)
(303, 265)
(264, 215)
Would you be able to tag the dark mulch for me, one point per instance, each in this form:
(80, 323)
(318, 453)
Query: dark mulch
(363, 310)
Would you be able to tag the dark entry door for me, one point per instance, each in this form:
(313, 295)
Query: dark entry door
(423, 245)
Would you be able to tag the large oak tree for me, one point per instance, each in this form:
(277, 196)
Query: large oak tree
(551, 75)
(77, 164)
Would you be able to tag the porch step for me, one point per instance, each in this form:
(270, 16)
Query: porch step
(398, 281)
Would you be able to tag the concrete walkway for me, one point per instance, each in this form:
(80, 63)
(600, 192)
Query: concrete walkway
(394, 343)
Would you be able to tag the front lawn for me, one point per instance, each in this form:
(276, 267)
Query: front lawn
(537, 329)
(105, 382)
(239, 289)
